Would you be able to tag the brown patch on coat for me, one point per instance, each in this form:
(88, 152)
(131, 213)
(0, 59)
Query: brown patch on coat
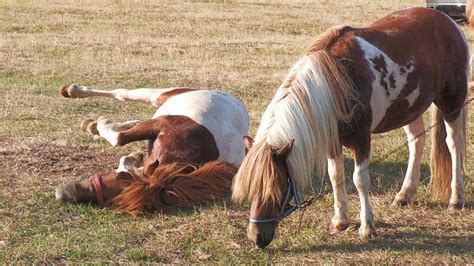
(180, 139)
(165, 96)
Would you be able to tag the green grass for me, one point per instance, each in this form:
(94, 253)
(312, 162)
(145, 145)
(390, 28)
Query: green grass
(241, 47)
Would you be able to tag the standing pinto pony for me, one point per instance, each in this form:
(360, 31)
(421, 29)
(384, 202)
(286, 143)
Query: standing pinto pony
(353, 82)
(194, 148)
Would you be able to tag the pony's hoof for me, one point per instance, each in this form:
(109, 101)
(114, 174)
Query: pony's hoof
(335, 228)
(72, 91)
(368, 231)
(456, 206)
(400, 203)
(90, 126)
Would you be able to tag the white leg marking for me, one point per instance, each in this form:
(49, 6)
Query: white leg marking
(340, 220)
(143, 95)
(130, 162)
(110, 131)
(362, 183)
(416, 143)
(454, 141)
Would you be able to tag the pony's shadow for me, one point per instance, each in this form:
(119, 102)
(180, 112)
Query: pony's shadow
(418, 240)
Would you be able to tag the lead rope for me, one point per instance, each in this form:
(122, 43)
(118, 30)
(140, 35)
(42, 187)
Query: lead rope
(308, 202)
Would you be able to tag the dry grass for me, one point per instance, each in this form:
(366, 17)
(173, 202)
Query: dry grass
(241, 47)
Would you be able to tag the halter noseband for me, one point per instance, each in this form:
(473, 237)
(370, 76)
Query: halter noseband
(97, 185)
(286, 207)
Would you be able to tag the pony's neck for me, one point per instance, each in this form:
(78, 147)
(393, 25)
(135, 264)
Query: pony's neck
(307, 108)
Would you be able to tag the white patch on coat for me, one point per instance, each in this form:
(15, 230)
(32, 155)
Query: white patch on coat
(411, 98)
(381, 99)
(221, 113)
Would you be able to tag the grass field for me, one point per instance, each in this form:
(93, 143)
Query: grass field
(241, 47)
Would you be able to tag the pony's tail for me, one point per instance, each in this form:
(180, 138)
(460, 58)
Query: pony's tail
(440, 157)
(176, 185)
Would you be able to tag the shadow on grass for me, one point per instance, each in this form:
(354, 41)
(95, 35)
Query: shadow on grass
(400, 241)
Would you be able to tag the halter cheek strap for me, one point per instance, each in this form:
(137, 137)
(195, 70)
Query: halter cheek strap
(97, 185)
(286, 207)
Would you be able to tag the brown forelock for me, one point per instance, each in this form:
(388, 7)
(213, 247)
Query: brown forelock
(165, 96)
(176, 185)
(181, 140)
(259, 177)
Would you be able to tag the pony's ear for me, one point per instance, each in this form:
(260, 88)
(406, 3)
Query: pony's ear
(248, 142)
(284, 150)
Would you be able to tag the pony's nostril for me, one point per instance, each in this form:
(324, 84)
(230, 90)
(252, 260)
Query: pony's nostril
(261, 242)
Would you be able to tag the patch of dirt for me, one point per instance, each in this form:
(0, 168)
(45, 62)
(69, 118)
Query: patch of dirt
(34, 165)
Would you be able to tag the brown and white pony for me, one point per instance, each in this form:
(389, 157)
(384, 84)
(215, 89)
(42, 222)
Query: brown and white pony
(353, 82)
(194, 148)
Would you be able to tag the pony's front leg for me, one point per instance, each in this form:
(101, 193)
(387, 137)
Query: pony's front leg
(104, 127)
(362, 183)
(90, 125)
(416, 143)
(131, 162)
(340, 220)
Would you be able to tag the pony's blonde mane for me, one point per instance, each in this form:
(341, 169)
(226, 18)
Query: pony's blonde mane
(314, 97)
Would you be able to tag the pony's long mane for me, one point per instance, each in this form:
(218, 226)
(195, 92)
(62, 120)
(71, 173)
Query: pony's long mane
(175, 185)
(313, 98)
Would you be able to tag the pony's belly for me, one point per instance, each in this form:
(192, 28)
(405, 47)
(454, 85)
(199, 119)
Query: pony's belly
(221, 113)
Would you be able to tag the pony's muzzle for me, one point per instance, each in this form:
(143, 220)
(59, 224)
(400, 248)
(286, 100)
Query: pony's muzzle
(62, 194)
(262, 241)
(261, 235)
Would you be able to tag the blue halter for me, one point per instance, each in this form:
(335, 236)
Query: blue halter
(286, 207)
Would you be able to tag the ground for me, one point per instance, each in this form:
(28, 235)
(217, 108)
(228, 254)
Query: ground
(243, 48)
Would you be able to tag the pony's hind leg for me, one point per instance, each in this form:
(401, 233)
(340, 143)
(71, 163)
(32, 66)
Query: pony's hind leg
(143, 95)
(340, 220)
(416, 143)
(454, 140)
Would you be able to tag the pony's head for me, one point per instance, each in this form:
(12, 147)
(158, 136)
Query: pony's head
(262, 180)
(99, 189)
